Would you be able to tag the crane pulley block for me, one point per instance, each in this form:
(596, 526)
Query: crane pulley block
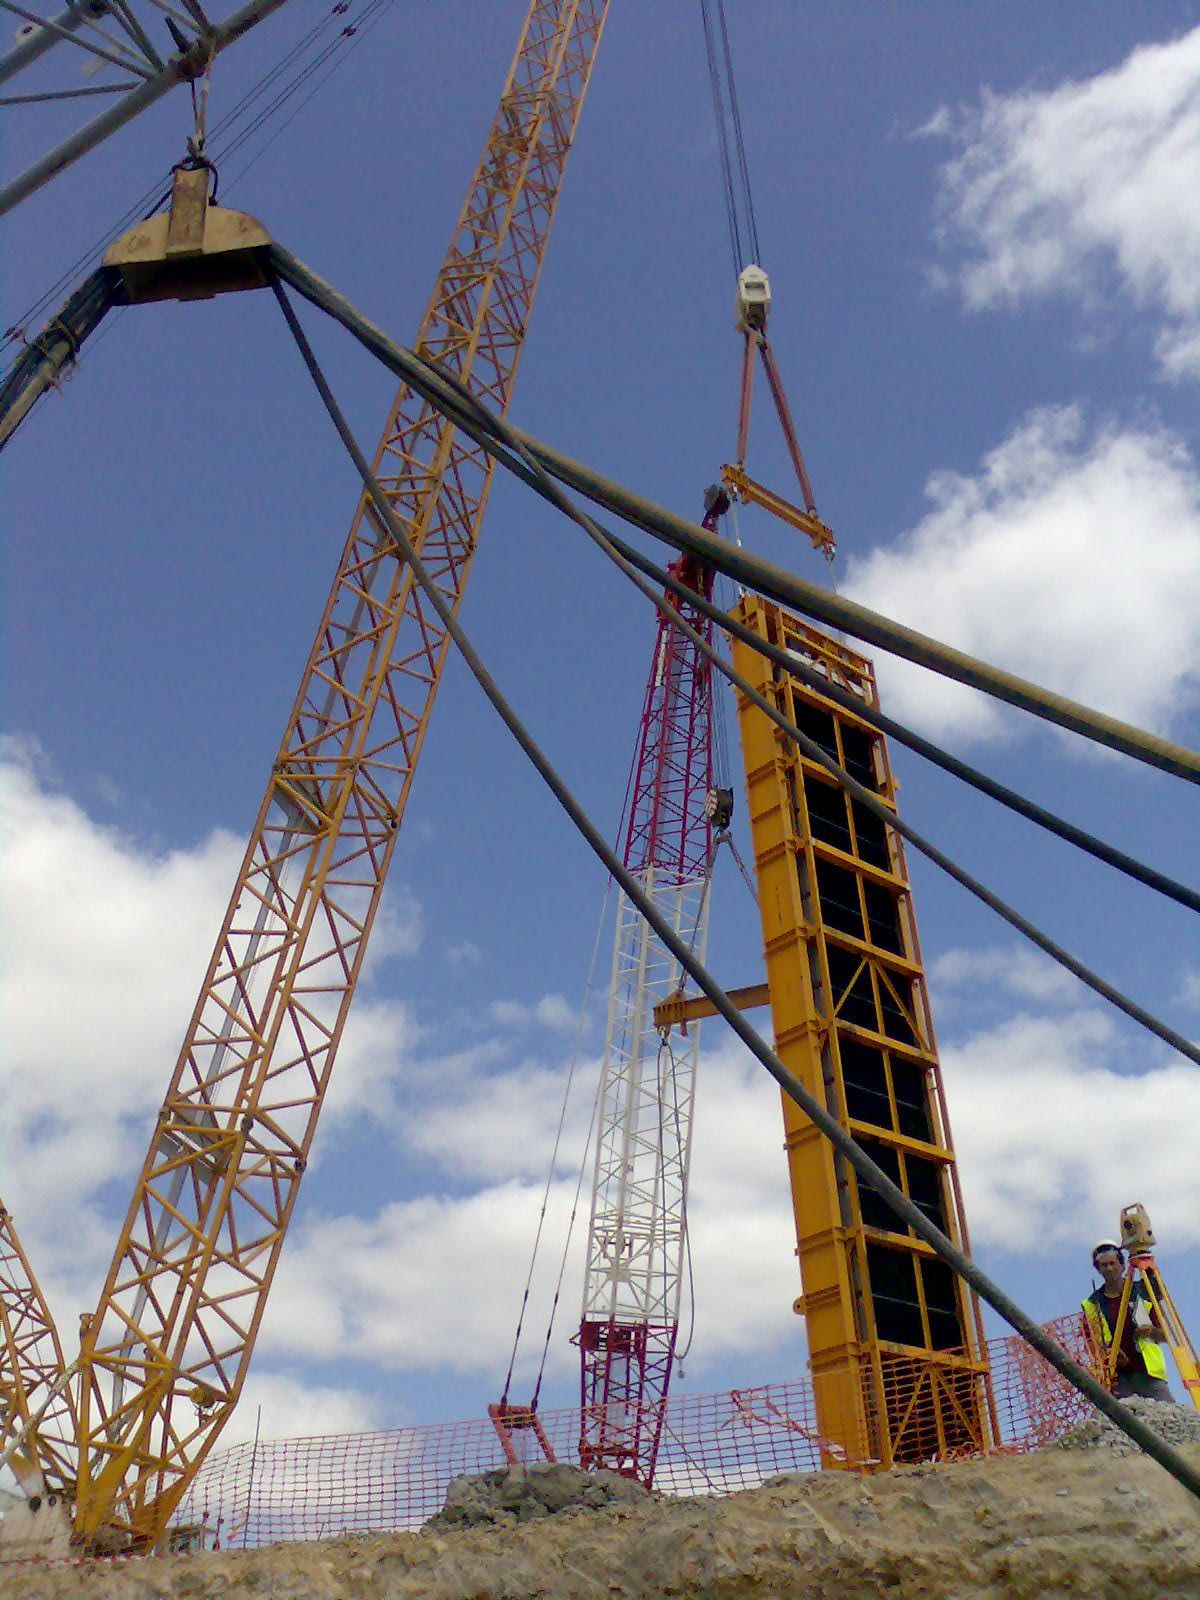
(753, 299)
(192, 251)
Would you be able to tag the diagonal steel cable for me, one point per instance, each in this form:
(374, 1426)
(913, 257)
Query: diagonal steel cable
(899, 1203)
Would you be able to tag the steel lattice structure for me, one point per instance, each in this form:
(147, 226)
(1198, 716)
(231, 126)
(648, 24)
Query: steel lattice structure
(142, 49)
(895, 1340)
(164, 1355)
(638, 1226)
(37, 1412)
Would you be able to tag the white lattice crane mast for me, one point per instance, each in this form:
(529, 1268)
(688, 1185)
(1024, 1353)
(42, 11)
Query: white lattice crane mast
(638, 1227)
(164, 1356)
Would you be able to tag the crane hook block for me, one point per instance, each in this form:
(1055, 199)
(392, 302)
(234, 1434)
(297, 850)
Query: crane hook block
(753, 300)
(193, 251)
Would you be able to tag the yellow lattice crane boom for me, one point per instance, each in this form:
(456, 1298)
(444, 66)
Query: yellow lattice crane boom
(164, 1355)
(37, 1411)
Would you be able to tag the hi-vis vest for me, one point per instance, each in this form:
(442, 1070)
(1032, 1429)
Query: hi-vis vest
(1150, 1350)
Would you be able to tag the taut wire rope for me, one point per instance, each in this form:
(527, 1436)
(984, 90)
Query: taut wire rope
(714, 81)
(869, 800)
(766, 577)
(739, 137)
(731, 152)
(900, 1204)
(580, 1025)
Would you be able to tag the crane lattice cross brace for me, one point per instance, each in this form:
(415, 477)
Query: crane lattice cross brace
(164, 1355)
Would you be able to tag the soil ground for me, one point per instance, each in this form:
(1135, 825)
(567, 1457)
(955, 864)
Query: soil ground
(1084, 1522)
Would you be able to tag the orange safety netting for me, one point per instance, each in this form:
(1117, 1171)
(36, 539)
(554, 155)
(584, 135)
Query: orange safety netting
(294, 1489)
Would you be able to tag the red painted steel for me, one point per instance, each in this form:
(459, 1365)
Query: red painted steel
(626, 1366)
(673, 767)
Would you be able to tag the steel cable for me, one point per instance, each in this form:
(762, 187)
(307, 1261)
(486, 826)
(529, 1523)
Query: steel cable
(513, 450)
(581, 1023)
(714, 80)
(899, 1203)
(479, 423)
(753, 572)
(739, 137)
(1044, 818)
(864, 796)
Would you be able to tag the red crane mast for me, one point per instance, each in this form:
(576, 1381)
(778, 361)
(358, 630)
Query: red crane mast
(638, 1227)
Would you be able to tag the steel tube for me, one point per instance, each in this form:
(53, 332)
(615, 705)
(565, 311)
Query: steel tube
(126, 63)
(764, 576)
(176, 71)
(904, 1208)
(48, 34)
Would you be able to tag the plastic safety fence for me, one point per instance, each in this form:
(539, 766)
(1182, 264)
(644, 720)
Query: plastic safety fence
(314, 1488)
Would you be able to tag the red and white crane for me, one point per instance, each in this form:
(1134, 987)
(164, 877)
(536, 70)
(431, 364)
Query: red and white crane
(638, 1229)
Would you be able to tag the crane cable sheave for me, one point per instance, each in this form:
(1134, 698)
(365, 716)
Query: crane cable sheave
(752, 301)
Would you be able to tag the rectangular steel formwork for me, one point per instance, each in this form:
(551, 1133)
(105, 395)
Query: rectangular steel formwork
(895, 1339)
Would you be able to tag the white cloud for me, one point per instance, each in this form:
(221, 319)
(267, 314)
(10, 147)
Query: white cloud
(1058, 1122)
(1058, 1125)
(937, 125)
(377, 1046)
(551, 1011)
(1053, 1133)
(106, 943)
(1057, 191)
(393, 1288)
(1017, 970)
(428, 1283)
(294, 1409)
(464, 954)
(520, 1109)
(1029, 565)
(397, 930)
(1189, 991)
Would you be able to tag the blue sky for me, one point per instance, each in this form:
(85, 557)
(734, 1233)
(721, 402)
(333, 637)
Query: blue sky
(986, 271)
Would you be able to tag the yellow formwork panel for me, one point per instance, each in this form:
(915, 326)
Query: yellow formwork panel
(895, 1341)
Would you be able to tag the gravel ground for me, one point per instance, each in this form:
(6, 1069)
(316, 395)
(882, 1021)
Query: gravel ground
(1178, 1425)
(1083, 1524)
(544, 1490)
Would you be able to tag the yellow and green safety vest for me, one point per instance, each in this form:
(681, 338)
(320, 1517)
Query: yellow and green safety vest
(1150, 1350)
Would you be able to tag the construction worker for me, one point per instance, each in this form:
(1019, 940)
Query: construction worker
(1141, 1365)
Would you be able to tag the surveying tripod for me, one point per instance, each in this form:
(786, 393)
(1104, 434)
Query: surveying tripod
(1137, 1239)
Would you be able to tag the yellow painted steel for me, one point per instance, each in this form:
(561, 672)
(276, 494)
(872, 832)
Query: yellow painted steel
(752, 493)
(165, 1354)
(895, 1341)
(1144, 1268)
(37, 1413)
(679, 1008)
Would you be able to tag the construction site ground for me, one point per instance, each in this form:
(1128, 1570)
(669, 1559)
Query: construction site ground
(1089, 1521)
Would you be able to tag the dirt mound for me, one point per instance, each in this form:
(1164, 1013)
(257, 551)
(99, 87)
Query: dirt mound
(545, 1490)
(1058, 1525)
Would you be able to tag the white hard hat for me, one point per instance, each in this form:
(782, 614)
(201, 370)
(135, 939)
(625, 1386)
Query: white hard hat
(1107, 1244)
